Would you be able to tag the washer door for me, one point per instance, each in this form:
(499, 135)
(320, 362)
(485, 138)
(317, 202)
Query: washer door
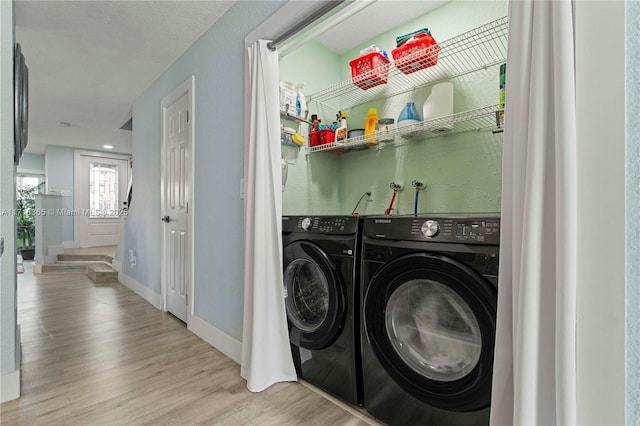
(431, 323)
(314, 296)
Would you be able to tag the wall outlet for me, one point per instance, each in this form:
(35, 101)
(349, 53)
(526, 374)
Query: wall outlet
(133, 259)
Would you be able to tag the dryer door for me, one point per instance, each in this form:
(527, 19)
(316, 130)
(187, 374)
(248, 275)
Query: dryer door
(431, 323)
(315, 296)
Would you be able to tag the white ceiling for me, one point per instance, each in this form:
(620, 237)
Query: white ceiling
(89, 61)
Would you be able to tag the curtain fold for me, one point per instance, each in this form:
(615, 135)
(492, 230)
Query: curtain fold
(266, 354)
(534, 377)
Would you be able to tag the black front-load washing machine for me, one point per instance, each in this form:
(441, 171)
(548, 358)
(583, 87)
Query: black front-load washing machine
(429, 296)
(321, 289)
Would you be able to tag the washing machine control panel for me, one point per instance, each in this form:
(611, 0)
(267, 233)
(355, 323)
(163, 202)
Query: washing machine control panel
(458, 229)
(332, 225)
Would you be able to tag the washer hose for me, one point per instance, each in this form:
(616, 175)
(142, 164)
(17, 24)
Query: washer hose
(393, 198)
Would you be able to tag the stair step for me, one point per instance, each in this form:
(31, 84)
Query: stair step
(85, 258)
(102, 274)
(64, 268)
(81, 262)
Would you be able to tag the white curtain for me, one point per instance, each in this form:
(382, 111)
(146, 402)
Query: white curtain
(534, 378)
(266, 355)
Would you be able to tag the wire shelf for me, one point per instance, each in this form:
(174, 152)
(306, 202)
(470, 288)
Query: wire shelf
(471, 51)
(472, 120)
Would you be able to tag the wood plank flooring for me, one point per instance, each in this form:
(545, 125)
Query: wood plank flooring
(98, 354)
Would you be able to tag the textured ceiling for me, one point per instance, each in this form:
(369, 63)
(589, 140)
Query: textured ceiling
(89, 61)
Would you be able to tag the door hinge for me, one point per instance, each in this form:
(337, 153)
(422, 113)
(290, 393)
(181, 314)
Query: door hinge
(187, 116)
(187, 296)
(187, 208)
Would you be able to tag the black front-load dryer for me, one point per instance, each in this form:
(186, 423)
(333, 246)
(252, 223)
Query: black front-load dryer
(321, 289)
(429, 295)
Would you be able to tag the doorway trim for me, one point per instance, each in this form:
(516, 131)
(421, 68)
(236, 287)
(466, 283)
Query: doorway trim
(187, 87)
(77, 186)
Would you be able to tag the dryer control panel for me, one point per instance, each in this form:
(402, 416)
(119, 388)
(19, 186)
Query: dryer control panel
(328, 225)
(451, 229)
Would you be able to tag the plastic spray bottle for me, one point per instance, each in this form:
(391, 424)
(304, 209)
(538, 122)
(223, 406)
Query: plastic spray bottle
(370, 127)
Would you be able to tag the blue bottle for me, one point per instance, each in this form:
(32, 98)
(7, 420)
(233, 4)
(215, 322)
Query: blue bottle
(409, 115)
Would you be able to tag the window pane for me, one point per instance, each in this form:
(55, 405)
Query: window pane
(103, 190)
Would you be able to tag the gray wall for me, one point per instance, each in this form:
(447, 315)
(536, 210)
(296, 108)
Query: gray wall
(58, 164)
(600, 103)
(633, 212)
(217, 62)
(7, 195)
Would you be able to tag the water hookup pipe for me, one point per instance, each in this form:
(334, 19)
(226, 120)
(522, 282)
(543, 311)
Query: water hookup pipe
(418, 187)
(396, 187)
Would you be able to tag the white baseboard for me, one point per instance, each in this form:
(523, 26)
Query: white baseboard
(37, 268)
(141, 290)
(217, 338)
(10, 386)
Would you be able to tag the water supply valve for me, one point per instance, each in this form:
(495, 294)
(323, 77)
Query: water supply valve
(396, 186)
(417, 185)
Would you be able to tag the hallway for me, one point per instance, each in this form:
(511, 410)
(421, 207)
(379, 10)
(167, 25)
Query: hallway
(99, 354)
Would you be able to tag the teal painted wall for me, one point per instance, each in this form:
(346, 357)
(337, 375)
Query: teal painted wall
(313, 183)
(462, 172)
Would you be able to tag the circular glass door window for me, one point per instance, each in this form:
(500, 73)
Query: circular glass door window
(433, 330)
(306, 295)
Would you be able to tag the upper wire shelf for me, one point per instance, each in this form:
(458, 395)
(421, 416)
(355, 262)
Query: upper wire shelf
(471, 51)
(476, 119)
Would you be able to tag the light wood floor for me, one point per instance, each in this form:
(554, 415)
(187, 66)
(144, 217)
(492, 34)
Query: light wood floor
(101, 355)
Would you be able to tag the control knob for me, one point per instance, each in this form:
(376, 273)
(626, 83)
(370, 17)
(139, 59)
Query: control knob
(306, 223)
(430, 228)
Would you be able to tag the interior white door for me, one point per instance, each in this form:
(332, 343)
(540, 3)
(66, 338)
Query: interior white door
(177, 192)
(103, 196)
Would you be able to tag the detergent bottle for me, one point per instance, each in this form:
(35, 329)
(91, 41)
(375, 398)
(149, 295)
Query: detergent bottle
(370, 127)
(341, 131)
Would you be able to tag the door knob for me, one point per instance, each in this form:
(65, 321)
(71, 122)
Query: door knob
(166, 219)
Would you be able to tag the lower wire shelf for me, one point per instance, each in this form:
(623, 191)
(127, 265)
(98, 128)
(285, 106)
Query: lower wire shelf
(488, 117)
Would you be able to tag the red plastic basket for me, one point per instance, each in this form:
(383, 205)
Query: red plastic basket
(314, 140)
(369, 70)
(416, 55)
(321, 137)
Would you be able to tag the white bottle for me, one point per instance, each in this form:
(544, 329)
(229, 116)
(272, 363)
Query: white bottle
(439, 104)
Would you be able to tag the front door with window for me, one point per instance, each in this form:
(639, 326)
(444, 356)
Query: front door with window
(102, 197)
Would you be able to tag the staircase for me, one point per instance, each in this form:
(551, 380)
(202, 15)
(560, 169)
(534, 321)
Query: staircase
(95, 266)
